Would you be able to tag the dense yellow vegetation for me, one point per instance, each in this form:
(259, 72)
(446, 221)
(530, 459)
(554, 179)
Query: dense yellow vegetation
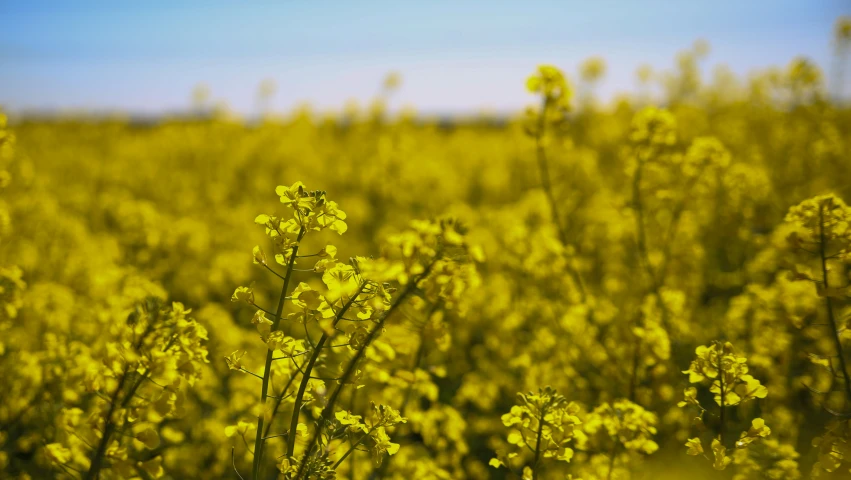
(577, 292)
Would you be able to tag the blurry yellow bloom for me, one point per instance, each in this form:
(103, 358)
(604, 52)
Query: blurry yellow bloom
(243, 294)
(259, 256)
(550, 82)
(242, 428)
(695, 447)
(288, 468)
(149, 437)
(58, 453)
(690, 397)
(592, 69)
(757, 430)
(703, 153)
(654, 126)
(842, 30)
(153, 467)
(234, 360)
(720, 453)
(278, 341)
(392, 81)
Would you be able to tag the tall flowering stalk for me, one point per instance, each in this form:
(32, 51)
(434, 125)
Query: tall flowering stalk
(730, 384)
(355, 296)
(152, 354)
(311, 212)
(550, 83)
(821, 241)
(543, 423)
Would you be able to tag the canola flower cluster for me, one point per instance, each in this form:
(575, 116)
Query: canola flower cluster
(669, 279)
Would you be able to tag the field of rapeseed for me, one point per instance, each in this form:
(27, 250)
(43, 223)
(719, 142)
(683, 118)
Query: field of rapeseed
(655, 289)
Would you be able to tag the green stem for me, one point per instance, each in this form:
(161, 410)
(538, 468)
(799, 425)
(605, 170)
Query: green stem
(305, 378)
(352, 459)
(538, 444)
(332, 400)
(722, 393)
(543, 166)
(326, 412)
(267, 371)
(278, 401)
(109, 427)
(633, 379)
(418, 357)
(352, 449)
(833, 328)
(670, 236)
(641, 241)
(614, 455)
(641, 233)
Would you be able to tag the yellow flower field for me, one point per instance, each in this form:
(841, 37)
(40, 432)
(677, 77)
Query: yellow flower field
(655, 289)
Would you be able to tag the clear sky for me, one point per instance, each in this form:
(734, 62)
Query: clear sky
(455, 56)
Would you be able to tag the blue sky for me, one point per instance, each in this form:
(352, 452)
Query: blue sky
(455, 56)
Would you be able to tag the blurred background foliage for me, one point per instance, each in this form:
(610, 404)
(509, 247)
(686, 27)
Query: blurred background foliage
(99, 215)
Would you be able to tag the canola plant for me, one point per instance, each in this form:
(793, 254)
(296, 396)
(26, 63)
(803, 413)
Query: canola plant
(654, 289)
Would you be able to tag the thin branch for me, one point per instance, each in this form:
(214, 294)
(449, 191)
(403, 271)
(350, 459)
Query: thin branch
(273, 271)
(833, 327)
(250, 373)
(267, 371)
(233, 461)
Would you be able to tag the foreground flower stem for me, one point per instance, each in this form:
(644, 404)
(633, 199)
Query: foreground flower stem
(614, 455)
(543, 166)
(332, 400)
(278, 401)
(833, 327)
(353, 447)
(538, 449)
(267, 371)
(305, 379)
(540, 434)
(722, 392)
(641, 234)
(418, 357)
(109, 427)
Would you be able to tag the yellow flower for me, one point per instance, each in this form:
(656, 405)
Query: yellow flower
(243, 294)
(263, 324)
(293, 195)
(690, 397)
(757, 431)
(278, 341)
(549, 81)
(354, 421)
(241, 428)
(654, 126)
(234, 360)
(153, 467)
(381, 445)
(259, 256)
(695, 447)
(720, 453)
(58, 453)
(592, 69)
(149, 437)
(842, 31)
